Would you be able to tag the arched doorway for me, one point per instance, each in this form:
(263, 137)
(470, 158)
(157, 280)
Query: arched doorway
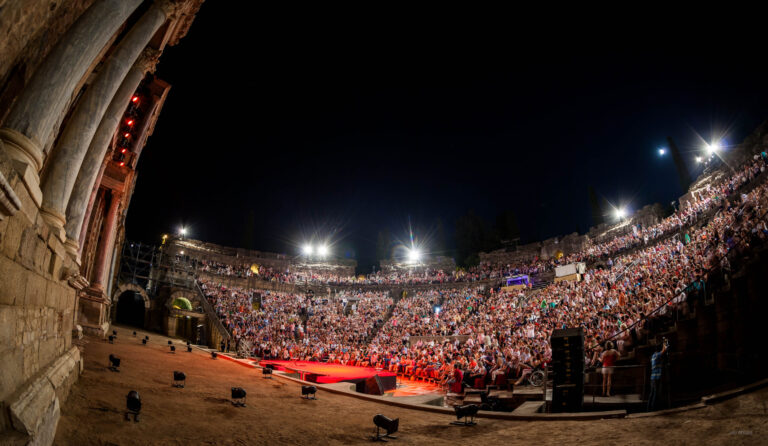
(130, 309)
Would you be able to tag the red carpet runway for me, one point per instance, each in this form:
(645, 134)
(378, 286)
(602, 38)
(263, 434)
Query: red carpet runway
(323, 373)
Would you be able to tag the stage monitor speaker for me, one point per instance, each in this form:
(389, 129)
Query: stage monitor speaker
(374, 386)
(567, 369)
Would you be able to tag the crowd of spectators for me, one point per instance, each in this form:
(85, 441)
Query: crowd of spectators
(478, 335)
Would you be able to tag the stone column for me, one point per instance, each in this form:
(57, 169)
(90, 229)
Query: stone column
(100, 265)
(65, 160)
(79, 202)
(39, 106)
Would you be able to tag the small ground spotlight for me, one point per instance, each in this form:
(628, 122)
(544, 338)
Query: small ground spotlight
(308, 392)
(238, 396)
(111, 338)
(189, 349)
(146, 337)
(188, 343)
(468, 412)
(134, 334)
(213, 355)
(133, 404)
(144, 342)
(173, 349)
(114, 363)
(179, 379)
(114, 333)
(170, 342)
(388, 424)
(266, 372)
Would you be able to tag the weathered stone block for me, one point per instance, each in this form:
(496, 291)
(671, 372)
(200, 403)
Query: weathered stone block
(8, 329)
(12, 236)
(10, 371)
(30, 353)
(29, 409)
(48, 351)
(14, 282)
(35, 291)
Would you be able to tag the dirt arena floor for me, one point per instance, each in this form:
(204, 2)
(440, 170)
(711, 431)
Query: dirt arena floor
(275, 414)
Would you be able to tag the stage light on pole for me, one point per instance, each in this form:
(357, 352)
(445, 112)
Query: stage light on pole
(114, 363)
(468, 412)
(179, 379)
(307, 250)
(322, 250)
(413, 255)
(712, 148)
(699, 159)
(183, 231)
(662, 151)
(238, 397)
(388, 424)
(620, 213)
(133, 404)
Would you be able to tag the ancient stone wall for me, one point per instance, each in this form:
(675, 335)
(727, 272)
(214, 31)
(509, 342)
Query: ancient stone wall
(37, 310)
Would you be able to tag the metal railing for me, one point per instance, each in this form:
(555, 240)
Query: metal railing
(209, 310)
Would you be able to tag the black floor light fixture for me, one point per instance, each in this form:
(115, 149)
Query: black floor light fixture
(143, 342)
(173, 349)
(179, 379)
(308, 392)
(238, 396)
(389, 425)
(114, 363)
(266, 372)
(133, 406)
(468, 412)
(213, 355)
(111, 338)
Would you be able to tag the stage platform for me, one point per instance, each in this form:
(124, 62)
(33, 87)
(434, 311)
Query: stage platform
(323, 373)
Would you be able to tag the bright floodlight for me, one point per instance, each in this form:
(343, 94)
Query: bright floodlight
(621, 213)
(699, 159)
(183, 231)
(662, 151)
(322, 250)
(712, 148)
(413, 255)
(307, 250)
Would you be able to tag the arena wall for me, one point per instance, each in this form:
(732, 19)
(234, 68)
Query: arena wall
(67, 73)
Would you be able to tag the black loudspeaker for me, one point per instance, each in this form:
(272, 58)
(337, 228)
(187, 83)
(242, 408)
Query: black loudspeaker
(567, 369)
(373, 386)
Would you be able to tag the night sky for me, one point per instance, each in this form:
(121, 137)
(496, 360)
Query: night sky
(321, 128)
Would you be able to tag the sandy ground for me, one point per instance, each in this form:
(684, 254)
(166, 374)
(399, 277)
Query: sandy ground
(275, 413)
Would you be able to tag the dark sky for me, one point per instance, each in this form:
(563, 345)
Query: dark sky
(322, 128)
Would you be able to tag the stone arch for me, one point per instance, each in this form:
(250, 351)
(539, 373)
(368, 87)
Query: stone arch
(130, 287)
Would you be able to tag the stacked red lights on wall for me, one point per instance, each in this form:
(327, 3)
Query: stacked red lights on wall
(125, 133)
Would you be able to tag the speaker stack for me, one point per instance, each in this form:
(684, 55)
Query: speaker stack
(568, 369)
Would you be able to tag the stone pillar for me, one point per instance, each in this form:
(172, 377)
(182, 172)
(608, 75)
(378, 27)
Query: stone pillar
(64, 163)
(104, 251)
(31, 122)
(79, 202)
